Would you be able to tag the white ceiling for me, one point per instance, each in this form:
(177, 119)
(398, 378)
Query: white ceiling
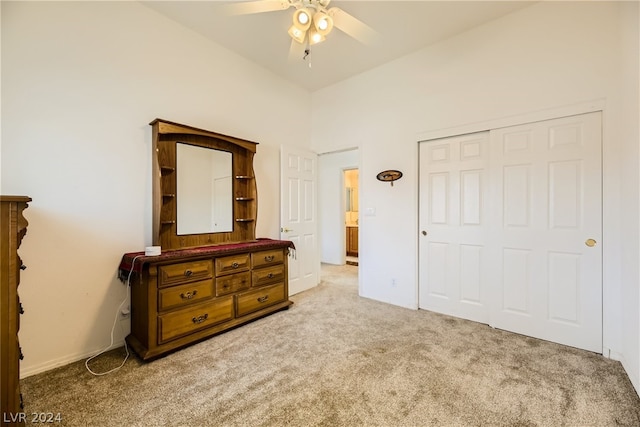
(403, 27)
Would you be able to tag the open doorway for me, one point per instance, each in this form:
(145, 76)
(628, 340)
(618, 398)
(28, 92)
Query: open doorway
(351, 215)
(332, 212)
(332, 203)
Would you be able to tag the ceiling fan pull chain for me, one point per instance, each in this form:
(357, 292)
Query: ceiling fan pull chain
(307, 52)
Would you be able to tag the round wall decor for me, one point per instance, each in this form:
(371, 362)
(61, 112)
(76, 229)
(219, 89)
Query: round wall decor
(389, 176)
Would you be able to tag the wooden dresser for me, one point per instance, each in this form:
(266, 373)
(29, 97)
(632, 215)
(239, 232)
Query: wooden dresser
(183, 296)
(13, 227)
(212, 273)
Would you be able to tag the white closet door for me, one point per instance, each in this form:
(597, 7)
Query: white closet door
(547, 199)
(511, 229)
(453, 224)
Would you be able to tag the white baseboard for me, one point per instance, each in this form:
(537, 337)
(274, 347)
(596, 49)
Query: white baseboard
(634, 377)
(66, 360)
(610, 354)
(632, 373)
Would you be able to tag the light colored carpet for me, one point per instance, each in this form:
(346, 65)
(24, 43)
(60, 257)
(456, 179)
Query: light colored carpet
(335, 359)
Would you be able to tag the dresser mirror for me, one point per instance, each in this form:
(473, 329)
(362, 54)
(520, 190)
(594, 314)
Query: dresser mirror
(204, 189)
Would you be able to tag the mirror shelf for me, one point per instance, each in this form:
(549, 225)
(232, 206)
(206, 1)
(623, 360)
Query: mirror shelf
(174, 209)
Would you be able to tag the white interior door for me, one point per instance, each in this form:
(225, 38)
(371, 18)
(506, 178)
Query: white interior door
(222, 215)
(299, 215)
(528, 257)
(453, 224)
(547, 181)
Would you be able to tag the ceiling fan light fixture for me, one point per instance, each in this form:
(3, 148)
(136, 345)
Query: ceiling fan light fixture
(315, 37)
(323, 23)
(302, 19)
(297, 34)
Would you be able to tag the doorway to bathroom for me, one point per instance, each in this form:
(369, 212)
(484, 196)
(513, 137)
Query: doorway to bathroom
(335, 209)
(351, 215)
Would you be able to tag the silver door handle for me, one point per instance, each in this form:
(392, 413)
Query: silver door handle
(285, 229)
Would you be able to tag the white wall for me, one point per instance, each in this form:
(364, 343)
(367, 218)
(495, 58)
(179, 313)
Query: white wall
(629, 134)
(0, 103)
(80, 83)
(331, 201)
(547, 56)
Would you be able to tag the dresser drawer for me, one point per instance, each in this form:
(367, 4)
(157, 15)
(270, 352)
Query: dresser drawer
(263, 258)
(232, 264)
(264, 276)
(188, 293)
(179, 323)
(184, 272)
(232, 283)
(248, 302)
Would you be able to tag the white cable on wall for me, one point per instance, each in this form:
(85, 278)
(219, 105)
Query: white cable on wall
(113, 327)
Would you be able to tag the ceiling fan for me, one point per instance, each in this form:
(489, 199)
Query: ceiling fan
(312, 20)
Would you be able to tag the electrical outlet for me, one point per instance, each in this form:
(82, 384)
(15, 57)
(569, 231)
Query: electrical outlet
(125, 313)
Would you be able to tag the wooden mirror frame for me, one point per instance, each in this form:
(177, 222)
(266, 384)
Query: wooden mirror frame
(165, 136)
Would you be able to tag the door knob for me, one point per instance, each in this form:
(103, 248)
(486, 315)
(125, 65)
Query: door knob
(590, 242)
(424, 232)
(285, 230)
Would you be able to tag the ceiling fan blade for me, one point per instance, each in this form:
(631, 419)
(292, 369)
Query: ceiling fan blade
(352, 26)
(296, 51)
(256, 6)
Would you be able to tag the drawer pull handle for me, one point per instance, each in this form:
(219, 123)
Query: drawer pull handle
(200, 318)
(188, 295)
(188, 273)
(270, 275)
(263, 299)
(235, 265)
(268, 258)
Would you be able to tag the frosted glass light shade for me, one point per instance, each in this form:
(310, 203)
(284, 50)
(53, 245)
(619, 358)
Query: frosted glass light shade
(302, 19)
(315, 37)
(297, 34)
(323, 23)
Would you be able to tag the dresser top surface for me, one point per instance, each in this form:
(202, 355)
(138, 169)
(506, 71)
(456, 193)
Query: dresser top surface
(14, 198)
(134, 261)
